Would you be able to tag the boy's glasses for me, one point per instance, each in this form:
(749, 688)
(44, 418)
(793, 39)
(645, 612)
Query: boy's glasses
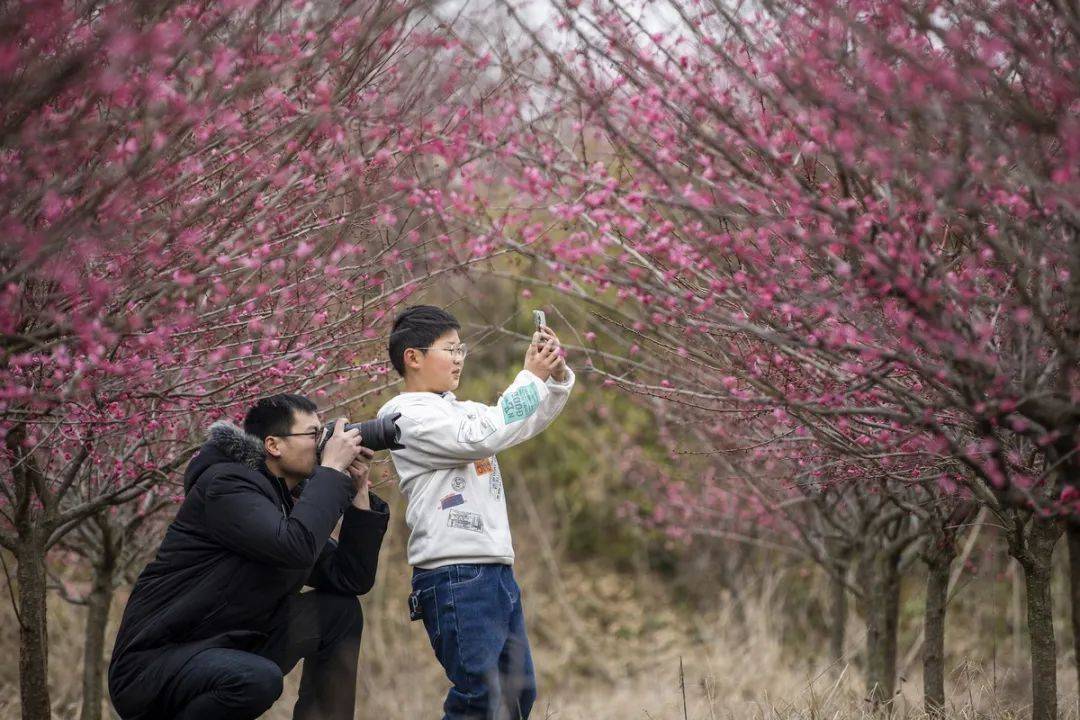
(458, 351)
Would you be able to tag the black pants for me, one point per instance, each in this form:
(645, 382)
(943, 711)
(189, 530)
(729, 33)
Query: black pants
(322, 628)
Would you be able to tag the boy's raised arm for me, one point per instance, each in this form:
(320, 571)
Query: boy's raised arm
(435, 438)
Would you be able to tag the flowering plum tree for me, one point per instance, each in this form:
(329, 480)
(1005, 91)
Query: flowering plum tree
(199, 203)
(853, 221)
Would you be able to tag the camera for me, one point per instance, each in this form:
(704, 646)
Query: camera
(377, 434)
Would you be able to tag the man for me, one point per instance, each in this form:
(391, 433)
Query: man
(217, 618)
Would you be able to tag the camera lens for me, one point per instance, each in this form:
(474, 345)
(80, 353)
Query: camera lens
(377, 434)
(380, 433)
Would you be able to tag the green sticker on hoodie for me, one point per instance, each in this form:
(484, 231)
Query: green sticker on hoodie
(520, 403)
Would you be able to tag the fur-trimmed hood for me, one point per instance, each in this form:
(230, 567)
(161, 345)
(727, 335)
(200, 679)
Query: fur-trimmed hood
(225, 442)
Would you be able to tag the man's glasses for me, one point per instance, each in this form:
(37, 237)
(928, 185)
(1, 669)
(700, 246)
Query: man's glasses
(458, 351)
(309, 433)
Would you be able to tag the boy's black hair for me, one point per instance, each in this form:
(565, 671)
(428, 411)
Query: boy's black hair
(274, 415)
(418, 327)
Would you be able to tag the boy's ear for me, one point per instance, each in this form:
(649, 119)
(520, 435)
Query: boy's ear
(412, 358)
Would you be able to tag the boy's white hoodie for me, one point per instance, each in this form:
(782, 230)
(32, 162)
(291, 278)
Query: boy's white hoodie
(448, 472)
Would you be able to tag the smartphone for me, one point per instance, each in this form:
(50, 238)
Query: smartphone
(538, 319)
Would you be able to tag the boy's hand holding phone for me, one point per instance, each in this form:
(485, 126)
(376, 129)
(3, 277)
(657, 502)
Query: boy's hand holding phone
(544, 356)
(559, 372)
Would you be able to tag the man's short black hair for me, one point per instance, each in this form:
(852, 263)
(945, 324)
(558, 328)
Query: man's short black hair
(418, 326)
(274, 415)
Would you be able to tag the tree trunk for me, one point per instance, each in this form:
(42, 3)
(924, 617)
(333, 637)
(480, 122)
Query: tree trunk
(838, 608)
(1072, 532)
(33, 636)
(882, 589)
(1037, 573)
(97, 619)
(1016, 612)
(937, 593)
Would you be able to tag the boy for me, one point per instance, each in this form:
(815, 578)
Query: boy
(460, 548)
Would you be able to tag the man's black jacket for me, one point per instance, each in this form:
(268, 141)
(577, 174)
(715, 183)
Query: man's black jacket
(239, 546)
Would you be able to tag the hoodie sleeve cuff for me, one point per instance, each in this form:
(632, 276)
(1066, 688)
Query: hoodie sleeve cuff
(553, 384)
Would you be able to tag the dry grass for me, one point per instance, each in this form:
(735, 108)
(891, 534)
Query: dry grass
(610, 646)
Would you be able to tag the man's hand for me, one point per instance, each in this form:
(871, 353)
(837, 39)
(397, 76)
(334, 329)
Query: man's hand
(359, 471)
(543, 356)
(342, 447)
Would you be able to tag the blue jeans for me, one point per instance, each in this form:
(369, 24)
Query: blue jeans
(474, 620)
